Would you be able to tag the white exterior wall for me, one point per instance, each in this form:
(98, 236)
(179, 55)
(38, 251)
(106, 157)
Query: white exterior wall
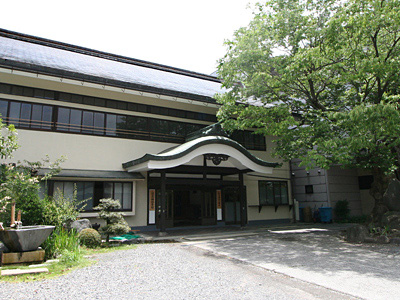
(88, 152)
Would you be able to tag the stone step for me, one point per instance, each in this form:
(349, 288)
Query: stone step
(13, 272)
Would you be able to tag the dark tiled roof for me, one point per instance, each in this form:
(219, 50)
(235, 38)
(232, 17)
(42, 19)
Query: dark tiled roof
(75, 173)
(35, 54)
(184, 149)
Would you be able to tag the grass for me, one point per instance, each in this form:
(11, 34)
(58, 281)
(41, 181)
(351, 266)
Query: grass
(67, 263)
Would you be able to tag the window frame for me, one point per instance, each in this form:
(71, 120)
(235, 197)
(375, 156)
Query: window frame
(51, 192)
(277, 200)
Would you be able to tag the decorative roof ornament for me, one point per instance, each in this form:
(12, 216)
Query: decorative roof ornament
(211, 130)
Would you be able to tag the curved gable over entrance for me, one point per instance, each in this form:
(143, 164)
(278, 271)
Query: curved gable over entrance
(220, 146)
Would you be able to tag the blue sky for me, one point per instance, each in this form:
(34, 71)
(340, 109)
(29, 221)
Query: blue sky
(186, 34)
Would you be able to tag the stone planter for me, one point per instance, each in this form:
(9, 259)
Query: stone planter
(25, 238)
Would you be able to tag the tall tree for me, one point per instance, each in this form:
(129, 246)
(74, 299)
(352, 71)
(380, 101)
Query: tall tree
(321, 76)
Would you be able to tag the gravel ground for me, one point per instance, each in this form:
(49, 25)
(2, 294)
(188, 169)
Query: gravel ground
(168, 271)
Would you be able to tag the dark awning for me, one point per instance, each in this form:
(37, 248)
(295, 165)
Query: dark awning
(76, 173)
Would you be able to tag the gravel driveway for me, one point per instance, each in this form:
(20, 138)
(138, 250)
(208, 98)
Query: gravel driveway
(168, 271)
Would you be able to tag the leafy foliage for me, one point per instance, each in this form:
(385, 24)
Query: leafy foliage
(59, 241)
(20, 184)
(115, 222)
(90, 238)
(320, 76)
(8, 140)
(341, 210)
(60, 211)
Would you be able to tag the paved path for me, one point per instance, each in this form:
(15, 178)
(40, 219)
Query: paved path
(168, 271)
(320, 257)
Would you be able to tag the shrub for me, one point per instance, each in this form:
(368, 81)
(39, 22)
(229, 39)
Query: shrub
(59, 210)
(61, 240)
(342, 210)
(90, 238)
(115, 222)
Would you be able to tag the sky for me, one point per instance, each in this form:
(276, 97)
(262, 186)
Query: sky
(187, 34)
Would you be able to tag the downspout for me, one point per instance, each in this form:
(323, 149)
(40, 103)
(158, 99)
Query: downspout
(292, 193)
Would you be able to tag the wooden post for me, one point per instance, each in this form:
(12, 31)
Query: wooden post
(163, 203)
(242, 201)
(12, 213)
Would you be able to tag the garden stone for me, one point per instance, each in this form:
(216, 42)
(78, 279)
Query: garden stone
(395, 240)
(81, 224)
(391, 219)
(3, 248)
(357, 234)
(391, 198)
(383, 239)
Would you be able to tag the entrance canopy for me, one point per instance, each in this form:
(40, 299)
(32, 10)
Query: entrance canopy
(212, 147)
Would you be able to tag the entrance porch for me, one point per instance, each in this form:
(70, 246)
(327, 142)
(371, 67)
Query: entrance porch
(199, 182)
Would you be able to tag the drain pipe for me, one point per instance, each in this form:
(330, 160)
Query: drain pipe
(292, 192)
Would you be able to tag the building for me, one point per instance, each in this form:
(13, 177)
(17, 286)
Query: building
(138, 132)
(324, 188)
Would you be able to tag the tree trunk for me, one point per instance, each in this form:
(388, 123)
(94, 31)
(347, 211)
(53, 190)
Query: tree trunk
(378, 189)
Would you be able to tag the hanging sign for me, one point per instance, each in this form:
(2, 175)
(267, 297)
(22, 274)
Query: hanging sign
(219, 205)
(152, 206)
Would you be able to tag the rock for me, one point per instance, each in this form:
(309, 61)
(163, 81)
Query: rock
(357, 234)
(3, 248)
(81, 224)
(370, 240)
(395, 240)
(391, 219)
(391, 198)
(382, 239)
(379, 210)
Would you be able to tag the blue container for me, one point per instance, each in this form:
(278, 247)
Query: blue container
(325, 214)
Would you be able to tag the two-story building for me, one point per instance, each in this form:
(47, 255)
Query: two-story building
(138, 132)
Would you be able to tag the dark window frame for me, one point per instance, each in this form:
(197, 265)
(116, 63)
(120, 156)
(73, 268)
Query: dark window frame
(168, 135)
(96, 196)
(276, 201)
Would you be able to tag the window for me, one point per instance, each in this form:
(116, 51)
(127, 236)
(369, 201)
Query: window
(93, 192)
(273, 193)
(365, 182)
(26, 115)
(64, 119)
(84, 191)
(309, 189)
(94, 101)
(3, 109)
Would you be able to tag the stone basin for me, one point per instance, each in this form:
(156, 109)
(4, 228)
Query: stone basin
(25, 238)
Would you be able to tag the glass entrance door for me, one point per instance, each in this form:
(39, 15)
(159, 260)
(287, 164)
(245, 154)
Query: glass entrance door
(232, 205)
(187, 206)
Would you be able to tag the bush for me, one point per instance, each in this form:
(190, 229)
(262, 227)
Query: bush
(61, 240)
(342, 210)
(59, 210)
(115, 222)
(90, 238)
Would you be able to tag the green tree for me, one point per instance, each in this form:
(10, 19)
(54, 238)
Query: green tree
(322, 77)
(115, 222)
(8, 140)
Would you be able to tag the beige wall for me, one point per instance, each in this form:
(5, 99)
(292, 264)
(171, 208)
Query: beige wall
(267, 212)
(107, 153)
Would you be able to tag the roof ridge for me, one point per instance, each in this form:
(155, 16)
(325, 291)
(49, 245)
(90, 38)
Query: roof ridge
(101, 54)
